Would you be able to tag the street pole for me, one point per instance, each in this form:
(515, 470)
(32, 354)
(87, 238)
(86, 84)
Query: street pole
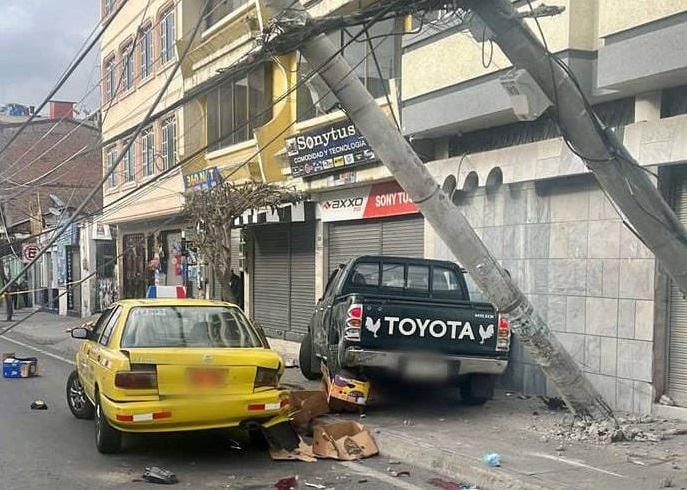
(619, 175)
(449, 223)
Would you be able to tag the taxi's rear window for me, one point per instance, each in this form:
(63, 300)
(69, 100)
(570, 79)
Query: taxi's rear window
(188, 326)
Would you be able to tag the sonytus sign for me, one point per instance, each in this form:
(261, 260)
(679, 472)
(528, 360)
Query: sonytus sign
(329, 148)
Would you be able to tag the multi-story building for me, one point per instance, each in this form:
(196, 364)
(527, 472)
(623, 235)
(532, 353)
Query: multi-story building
(46, 173)
(137, 54)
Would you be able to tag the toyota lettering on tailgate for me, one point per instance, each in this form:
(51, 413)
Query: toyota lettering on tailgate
(423, 328)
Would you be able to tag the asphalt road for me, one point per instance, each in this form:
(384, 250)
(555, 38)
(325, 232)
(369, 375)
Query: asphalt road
(52, 450)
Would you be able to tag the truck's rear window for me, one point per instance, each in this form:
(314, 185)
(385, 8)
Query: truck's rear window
(406, 279)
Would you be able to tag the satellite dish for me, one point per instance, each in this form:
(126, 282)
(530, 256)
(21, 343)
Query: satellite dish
(55, 211)
(58, 202)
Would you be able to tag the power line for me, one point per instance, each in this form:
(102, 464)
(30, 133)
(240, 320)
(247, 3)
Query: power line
(64, 78)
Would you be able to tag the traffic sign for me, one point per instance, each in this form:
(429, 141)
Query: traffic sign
(29, 251)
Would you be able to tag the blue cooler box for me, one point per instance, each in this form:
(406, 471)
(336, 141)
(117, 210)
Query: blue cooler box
(21, 367)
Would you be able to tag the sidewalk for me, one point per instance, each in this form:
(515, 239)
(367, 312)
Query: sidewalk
(434, 430)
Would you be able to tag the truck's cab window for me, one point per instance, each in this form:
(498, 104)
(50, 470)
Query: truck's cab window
(445, 283)
(393, 275)
(365, 274)
(418, 279)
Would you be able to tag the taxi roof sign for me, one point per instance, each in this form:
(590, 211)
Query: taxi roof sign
(178, 292)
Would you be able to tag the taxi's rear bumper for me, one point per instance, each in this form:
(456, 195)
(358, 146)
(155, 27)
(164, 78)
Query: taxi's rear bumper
(182, 414)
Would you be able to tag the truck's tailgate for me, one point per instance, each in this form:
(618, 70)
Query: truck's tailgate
(449, 328)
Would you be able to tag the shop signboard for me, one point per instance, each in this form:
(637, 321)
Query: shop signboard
(372, 201)
(202, 179)
(325, 149)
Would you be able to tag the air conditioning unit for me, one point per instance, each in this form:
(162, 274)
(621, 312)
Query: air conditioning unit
(529, 101)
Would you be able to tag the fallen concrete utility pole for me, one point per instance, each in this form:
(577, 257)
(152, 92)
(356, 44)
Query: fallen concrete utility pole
(615, 169)
(453, 228)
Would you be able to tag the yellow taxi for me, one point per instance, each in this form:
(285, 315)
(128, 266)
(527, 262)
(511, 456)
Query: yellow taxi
(156, 365)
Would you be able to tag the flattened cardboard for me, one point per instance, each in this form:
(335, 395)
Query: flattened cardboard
(346, 441)
(306, 406)
(302, 453)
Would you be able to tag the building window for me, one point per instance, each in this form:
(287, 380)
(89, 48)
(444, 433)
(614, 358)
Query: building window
(167, 35)
(314, 97)
(129, 162)
(215, 10)
(236, 108)
(111, 158)
(110, 79)
(146, 52)
(127, 56)
(108, 7)
(169, 142)
(148, 146)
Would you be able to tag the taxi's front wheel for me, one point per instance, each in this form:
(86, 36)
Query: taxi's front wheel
(79, 404)
(108, 440)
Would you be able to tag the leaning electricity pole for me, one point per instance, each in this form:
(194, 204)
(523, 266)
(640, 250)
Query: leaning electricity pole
(619, 175)
(449, 223)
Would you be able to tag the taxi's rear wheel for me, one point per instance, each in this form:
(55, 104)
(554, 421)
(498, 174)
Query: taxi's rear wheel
(79, 404)
(108, 440)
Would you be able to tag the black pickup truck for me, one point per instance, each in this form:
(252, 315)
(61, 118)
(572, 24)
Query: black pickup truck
(411, 317)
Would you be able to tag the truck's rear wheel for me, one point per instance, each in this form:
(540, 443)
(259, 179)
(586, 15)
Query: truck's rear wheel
(477, 389)
(306, 359)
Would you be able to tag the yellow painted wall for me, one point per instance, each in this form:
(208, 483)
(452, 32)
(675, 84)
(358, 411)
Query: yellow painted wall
(620, 15)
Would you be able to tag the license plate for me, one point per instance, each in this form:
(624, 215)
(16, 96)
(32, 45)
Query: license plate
(207, 377)
(421, 369)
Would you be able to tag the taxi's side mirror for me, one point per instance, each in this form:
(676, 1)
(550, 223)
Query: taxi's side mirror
(81, 333)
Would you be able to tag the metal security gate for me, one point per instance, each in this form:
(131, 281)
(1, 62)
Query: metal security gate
(398, 236)
(284, 278)
(677, 335)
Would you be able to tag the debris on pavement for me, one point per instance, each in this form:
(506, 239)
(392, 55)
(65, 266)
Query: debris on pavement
(345, 441)
(302, 453)
(288, 483)
(665, 483)
(628, 429)
(281, 435)
(39, 405)
(647, 459)
(492, 459)
(315, 485)
(553, 403)
(344, 393)
(666, 400)
(399, 474)
(19, 367)
(449, 485)
(155, 474)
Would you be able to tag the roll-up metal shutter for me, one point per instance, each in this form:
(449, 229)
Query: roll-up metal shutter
(404, 237)
(302, 282)
(396, 236)
(271, 278)
(350, 239)
(677, 350)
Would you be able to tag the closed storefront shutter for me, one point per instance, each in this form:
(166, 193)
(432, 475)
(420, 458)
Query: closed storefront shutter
(271, 277)
(397, 236)
(677, 350)
(302, 277)
(284, 278)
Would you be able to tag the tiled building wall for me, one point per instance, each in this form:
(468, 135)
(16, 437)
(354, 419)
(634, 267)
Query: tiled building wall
(587, 275)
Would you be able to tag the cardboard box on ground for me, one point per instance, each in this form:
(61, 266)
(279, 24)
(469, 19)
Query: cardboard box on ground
(19, 367)
(346, 441)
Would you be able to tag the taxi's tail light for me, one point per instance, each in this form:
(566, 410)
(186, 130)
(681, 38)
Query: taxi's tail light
(503, 335)
(136, 380)
(354, 321)
(266, 378)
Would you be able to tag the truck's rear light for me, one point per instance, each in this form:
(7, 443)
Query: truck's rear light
(266, 378)
(503, 335)
(354, 321)
(136, 380)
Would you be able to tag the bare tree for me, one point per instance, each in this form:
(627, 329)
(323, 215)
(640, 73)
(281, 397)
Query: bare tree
(214, 212)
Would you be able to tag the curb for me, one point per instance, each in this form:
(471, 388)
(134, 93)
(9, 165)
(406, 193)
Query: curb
(395, 445)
